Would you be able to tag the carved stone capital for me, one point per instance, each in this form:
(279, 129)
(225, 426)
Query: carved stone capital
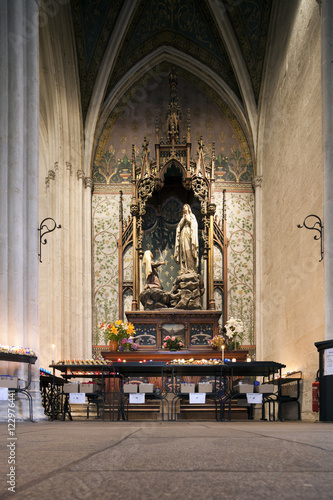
(50, 176)
(257, 181)
(88, 182)
(80, 174)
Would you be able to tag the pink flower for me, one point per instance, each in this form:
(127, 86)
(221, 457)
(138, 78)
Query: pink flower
(173, 338)
(167, 337)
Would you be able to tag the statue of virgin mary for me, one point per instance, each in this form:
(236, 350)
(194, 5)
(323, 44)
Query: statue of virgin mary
(186, 245)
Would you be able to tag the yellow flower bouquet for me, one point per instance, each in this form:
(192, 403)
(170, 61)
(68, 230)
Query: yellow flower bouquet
(121, 332)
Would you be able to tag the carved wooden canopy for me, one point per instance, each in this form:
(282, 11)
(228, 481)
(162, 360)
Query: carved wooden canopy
(148, 177)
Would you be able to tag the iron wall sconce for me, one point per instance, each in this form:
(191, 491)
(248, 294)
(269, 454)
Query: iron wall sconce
(44, 229)
(317, 226)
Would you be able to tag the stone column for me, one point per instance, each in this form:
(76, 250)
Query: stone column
(19, 110)
(258, 320)
(327, 98)
(87, 264)
(4, 171)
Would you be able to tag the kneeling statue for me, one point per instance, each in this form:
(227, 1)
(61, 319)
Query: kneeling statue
(153, 296)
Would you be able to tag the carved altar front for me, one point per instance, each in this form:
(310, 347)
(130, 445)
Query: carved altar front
(194, 328)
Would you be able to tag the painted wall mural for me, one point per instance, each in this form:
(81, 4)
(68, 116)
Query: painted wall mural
(218, 275)
(137, 114)
(218, 263)
(240, 231)
(105, 223)
(128, 264)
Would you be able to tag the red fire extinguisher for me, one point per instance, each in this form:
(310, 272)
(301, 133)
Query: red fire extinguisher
(315, 396)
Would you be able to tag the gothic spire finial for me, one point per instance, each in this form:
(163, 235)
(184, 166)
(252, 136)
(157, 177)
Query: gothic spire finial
(173, 115)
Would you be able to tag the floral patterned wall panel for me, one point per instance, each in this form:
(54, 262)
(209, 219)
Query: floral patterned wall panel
(127, 301)
(218, 275)
(128, 264)
(105, 222)
(218, 297)
(127, 276)
(240, 232)
(218, 263)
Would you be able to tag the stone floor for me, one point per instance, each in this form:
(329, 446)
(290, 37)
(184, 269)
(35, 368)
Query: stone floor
(167, 460)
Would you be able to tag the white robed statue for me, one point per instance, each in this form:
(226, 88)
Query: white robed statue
(151, 274)
(187, 242)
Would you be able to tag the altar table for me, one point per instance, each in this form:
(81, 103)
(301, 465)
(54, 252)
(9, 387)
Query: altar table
(223, 388)
(69, 372)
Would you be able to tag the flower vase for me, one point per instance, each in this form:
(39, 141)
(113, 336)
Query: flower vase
(234, 345)
(113, 345)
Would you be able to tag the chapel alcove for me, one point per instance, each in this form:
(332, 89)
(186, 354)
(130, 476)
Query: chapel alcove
(160, 188)
(163, 212)
(160, 178)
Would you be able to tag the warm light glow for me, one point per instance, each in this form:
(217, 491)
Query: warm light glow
(248, 359)
(233, 360)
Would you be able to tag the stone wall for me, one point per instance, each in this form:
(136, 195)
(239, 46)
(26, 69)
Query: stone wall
(290, 301)
(65, 303)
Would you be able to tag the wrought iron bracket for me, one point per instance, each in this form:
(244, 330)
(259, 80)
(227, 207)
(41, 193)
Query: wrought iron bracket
(317, 226)
(43, 230)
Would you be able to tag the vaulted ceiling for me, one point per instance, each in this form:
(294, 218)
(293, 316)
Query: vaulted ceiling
(227, 36)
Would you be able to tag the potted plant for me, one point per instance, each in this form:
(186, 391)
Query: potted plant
(172, 343)
(234, 329)
(217, 342)
(120, 335)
